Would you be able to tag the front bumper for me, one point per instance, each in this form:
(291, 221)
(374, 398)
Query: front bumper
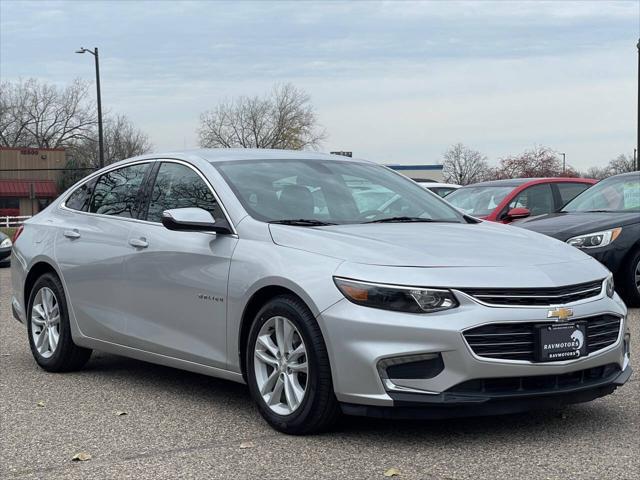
(5, 253)
(452, 404)
(358, 338)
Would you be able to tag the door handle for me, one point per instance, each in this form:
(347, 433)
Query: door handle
(138, 242)
(72, 233)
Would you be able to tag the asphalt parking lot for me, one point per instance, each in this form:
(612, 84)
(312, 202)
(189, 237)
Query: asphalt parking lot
(183, 425)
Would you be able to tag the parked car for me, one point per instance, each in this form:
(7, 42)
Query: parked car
(222, 262)
(441, 189)
(507, 200)
(5, 249)
(604, 222)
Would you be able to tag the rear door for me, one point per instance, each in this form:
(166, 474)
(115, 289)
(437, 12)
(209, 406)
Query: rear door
(92, 242)
(178, 280)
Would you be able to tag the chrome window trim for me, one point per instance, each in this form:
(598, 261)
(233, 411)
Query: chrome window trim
(63, 205)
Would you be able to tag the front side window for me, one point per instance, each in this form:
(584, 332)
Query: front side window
(116, 192)
(329, 191)
(615, 194)
(178, 186)
(80, 199)
(538, 199)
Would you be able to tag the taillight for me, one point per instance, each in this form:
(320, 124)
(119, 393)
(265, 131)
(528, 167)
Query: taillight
(18, 232)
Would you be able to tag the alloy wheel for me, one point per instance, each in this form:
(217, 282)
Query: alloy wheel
(45, 322)
(280, 364)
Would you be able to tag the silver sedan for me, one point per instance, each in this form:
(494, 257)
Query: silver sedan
(327, 284)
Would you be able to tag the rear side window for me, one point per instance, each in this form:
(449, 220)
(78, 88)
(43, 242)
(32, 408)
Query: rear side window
(116, 192)
(178, 186)
(569, 191)
(80, 199)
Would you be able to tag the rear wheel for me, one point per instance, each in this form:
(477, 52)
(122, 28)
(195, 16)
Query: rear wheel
(49, 330)
(288, 368)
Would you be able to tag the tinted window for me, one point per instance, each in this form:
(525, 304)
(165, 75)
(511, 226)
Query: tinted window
(80, 199)
(116, 192)
(178, 186)
(331, 191)
(569, 191)
(538, 199)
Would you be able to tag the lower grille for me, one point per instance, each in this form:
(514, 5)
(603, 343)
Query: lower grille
(516, 341)
(538, 383)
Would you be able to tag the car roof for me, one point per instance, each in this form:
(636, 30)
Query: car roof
(516, 182)
(215, 155)
(627, 174)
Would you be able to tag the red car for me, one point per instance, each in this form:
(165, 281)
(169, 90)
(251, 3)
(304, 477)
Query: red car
(507, 200)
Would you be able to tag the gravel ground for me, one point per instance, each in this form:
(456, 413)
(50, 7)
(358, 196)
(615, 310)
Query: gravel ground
(184, 425)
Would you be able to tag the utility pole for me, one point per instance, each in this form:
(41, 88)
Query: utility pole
(638, 121)
(94, 52)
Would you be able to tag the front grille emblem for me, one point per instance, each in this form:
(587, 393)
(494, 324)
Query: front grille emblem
(561, 313)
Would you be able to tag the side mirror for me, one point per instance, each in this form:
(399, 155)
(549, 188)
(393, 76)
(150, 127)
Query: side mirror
(192, 220)
(516, 213)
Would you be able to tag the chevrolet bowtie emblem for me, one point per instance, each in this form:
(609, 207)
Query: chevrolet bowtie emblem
(562, 314)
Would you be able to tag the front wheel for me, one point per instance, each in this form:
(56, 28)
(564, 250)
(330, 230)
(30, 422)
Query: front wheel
(288, 369)
(631, 280)
(49, 329)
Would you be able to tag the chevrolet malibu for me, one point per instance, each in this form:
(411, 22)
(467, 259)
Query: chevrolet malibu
(290, 272)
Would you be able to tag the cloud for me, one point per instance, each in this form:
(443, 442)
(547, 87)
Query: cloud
(391, 80)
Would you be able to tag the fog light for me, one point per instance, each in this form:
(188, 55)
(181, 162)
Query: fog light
(422, 366)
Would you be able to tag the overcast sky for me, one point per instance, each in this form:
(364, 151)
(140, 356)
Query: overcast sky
(395, 82)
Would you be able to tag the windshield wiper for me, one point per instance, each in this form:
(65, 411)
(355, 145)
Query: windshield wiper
(409, 220)
(302, 222)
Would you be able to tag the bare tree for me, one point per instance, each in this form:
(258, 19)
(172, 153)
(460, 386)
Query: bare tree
(539, 161)
(621, 164)
(597, 173)
(35, 114)
(463, 165)
(122, 139)
(283, 119)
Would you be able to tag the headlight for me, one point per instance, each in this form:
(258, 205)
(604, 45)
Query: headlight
(611, 288)
(396, 297)
(595, 239)
(5, 243)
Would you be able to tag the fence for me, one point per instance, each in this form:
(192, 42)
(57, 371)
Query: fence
(7, 221)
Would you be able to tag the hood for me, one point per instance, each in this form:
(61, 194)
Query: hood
(566, 225)
(483, 244)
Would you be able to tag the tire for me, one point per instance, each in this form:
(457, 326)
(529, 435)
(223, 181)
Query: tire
(629, 287)
(66, 356)
(318, 409)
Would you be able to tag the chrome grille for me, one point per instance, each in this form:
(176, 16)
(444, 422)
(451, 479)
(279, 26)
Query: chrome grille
(516, 341)
(536, 296)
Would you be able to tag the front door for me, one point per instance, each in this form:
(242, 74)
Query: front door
(178, 280)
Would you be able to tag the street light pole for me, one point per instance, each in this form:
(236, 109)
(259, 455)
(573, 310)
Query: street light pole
(94, 52)
(638, 122)
(564, 163)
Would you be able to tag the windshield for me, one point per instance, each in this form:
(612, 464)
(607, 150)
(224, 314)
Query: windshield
(328, 191)
(478, 201)
(614, 194)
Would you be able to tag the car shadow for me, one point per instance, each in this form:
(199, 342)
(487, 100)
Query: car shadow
(199, 388)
